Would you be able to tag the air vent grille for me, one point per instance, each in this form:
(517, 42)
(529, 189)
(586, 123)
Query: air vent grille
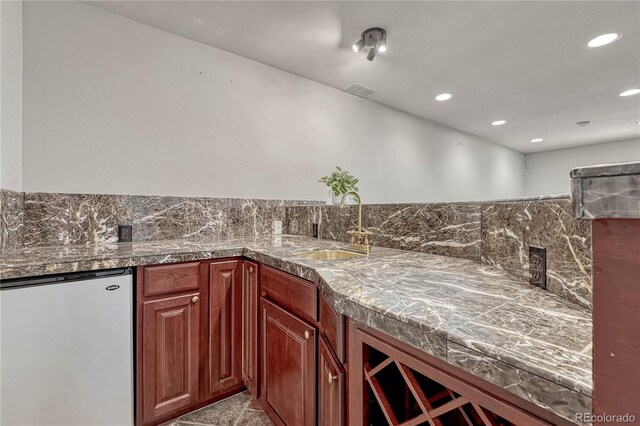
(359, 90)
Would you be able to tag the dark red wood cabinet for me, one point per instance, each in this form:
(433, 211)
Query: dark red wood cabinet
(188, 337)
(331, 387)
(250, 331)
(170, 354)
(288, 384)
(616, 317)
(225, 327)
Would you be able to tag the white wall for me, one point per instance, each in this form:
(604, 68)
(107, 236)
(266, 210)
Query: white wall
(548, 172)
(114, 106)
(11, 95)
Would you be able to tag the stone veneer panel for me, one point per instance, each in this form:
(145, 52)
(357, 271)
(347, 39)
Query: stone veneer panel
(11, 219)
(46, 219)
(568, 241)
(502, 233)
(52, 219)
(95, 218)
(160, 218)
(444, 229)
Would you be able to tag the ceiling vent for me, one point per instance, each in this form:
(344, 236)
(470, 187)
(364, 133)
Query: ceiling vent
(359, 90)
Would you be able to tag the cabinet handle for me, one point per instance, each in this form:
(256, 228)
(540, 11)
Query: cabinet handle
(195, 299)
(331, 378)
(306, 334)
(251, 269)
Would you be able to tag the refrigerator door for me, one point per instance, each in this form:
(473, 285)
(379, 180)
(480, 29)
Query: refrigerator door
(66, 353)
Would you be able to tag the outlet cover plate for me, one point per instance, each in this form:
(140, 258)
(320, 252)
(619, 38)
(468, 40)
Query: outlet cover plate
(538, 266)
(125, 233)
(277, 227)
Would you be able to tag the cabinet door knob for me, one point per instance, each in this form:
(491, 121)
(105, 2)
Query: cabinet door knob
(331, 378)
(306, 334)
(195, 299)
(251, 269)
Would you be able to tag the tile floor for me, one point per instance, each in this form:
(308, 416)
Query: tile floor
(237, 410)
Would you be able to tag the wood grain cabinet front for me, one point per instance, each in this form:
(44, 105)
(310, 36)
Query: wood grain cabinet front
(288, 383)
(170, 358)
(331, 385)
(225, 327)
(250, 332)
(189, 337)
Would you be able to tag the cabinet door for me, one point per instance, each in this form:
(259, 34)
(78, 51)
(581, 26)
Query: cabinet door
(288, 366)
(170, 352)
(225, 326)
(331, 383)
(250, 326)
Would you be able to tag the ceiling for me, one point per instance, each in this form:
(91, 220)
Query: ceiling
(526, 62)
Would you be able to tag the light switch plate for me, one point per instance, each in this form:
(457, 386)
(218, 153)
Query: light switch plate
(277, 227)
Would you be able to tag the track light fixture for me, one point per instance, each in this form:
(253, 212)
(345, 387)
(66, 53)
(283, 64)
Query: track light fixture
(375, 38)
(357, 46)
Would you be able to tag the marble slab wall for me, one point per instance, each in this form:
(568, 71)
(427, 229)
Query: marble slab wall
(51, 219)
(497, 233)
(11, 218)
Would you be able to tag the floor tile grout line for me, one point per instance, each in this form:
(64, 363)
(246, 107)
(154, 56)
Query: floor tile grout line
(243, 410)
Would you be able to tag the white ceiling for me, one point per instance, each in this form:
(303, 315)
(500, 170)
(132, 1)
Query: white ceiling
(522, 61)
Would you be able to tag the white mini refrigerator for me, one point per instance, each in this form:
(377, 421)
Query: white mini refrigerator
(66, 350)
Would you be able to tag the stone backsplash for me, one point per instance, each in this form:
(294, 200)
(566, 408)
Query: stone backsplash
(497, 233)
(50, 219)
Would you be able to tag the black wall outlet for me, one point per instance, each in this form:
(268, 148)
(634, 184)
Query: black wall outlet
(125, 233)
(538, 266)
(314, 230)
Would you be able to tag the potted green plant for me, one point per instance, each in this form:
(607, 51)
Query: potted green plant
(340, 182)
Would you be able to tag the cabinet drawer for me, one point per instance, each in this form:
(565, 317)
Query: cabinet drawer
(292, 293)
(163, 279)
(333, 328)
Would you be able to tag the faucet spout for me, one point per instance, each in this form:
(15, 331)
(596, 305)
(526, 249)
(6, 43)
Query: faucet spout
(362, 242)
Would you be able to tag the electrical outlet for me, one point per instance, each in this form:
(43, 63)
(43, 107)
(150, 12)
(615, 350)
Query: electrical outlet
(314, 230)
(538, 266)
(125, 232)
(277, 227)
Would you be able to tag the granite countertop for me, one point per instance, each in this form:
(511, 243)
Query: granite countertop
(529, 341)
(602, 170)
(608, 191)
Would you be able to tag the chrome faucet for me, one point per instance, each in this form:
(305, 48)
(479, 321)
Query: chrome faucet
(359, 239)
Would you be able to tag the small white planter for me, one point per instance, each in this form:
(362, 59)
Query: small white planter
(335, 199)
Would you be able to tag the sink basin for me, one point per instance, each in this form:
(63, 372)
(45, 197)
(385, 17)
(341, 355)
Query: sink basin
(330, 254)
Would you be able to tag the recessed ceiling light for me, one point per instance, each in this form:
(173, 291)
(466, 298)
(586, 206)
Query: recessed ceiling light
(630, 92)
(637, 122)
(443, 97)
(536, 140)
(498, 123)
(604, 39)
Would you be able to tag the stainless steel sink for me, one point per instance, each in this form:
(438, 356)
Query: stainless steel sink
(330, 255)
